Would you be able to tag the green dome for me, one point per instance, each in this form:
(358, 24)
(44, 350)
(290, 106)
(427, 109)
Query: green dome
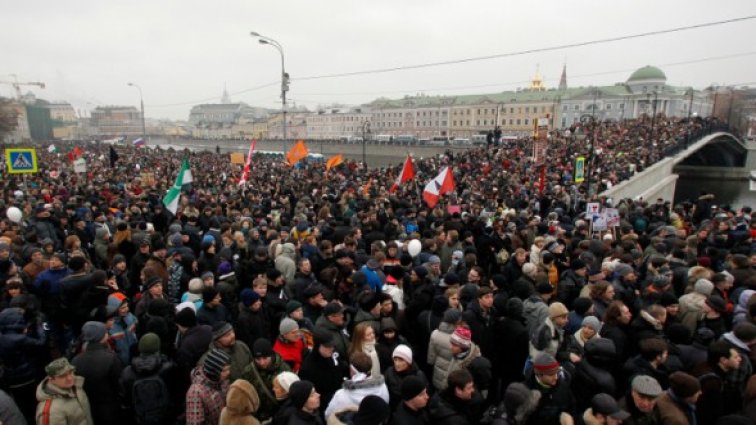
(648, 72)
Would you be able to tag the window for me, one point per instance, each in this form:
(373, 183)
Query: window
(511, 121)
(468, 122)
(485, 122)
(478, 122)
(503, 122)
(418, 124)
(564, 108)
(443, 123)
(511, 111)
(577, 107)
(622, 106)
(608, 106)
(564, 122)
(454, 123)
(527, 109)
(518, 121)
(527, 121)
(478, 111)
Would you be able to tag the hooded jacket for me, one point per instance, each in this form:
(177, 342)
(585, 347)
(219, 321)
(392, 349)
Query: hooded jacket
(339, 335)
(691, 310)
(123, 332)
(286, 262)
(440, 354)
(353, 391)
(741, 310)
(242, 403)
(18, 350)
(57, 406)
(593, 374)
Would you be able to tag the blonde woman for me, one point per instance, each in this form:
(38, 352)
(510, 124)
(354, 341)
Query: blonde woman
(363, 341)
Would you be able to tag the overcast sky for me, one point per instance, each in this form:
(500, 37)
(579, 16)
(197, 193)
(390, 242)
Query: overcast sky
(183, 52)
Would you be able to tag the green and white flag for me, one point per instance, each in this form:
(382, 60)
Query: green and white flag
(52, 149)
(171, 199)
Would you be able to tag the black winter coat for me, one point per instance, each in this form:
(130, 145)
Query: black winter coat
(394, 381)
(554, 401)
(327, 374)
(251, 325)
(403, 415)
(20, 353)
(445, 409)
(481, 327)
(509, 359)
(145, 366)
(593, 374)
(101, 370)
(191, 346)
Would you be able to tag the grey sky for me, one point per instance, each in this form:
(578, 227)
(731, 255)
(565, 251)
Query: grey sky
(182, 52)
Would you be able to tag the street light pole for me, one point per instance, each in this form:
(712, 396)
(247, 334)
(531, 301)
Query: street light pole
(141, 102)
(284, 78)
(365, 133)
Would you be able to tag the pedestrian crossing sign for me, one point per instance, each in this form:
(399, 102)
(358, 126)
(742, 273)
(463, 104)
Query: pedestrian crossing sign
(21, 160)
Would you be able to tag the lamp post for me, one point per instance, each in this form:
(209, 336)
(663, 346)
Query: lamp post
(365, 134)
(284, 77)
(141, 102)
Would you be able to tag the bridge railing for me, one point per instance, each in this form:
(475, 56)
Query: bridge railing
(691, 137)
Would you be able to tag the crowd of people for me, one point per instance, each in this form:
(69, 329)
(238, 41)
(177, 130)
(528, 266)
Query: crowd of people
(313, 297)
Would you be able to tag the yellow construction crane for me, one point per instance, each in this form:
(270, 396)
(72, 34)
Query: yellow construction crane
(17, 84)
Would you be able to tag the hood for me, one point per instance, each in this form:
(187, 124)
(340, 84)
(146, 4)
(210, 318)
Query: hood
(242, 398)
(288, 249)
(46, 391)
(361, 382)
(12, 320)
(744, 297)
(600, 352)
(446, 328)
(147, 364)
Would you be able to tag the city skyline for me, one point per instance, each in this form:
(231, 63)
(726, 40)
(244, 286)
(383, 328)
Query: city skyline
(183, 54)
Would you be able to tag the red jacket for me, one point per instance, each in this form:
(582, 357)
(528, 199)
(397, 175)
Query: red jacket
(291, 352)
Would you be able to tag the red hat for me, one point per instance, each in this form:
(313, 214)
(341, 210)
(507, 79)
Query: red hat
(461, 337)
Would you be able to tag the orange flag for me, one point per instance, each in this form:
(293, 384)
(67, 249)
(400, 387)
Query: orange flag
(297, 153)
(334, 161)
(366, 188)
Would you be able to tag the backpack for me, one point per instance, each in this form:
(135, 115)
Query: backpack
(151, 400)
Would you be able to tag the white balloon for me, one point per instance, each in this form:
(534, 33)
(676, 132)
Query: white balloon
(414, 247)
(14, 214)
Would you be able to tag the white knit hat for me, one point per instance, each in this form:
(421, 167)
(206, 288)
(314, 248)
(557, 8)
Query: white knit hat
(403, 352)
(285, 379)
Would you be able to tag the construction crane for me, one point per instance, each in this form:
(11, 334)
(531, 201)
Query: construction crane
(17, 84)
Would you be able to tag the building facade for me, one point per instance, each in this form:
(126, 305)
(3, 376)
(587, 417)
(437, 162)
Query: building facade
(338, 123)
(116, 121)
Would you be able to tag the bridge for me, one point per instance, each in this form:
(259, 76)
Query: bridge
(717, 162)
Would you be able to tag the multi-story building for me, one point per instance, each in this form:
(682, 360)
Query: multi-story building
(515, 112)
(21, 133)
(65, 123)
(338, 123)
(296, 124)
(116, 121)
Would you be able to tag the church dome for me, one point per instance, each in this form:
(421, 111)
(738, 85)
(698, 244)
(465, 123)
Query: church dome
(648, 72)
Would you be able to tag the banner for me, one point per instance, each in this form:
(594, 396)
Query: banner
(580, 169)
(80, 165)
(237, 158)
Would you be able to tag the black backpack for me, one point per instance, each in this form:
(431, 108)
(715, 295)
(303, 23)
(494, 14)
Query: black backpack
(152, 401)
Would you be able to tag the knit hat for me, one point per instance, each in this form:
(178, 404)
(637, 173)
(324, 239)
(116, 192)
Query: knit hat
(225, 268)
(452, 316)
(58, 367)
(593, 323)
(703, 287)
(403, 352)
(745, 331)
(196, 285)
(668, 299)
(451, 278)
(434, 259)
(623, 270)
(545, 363)
(716, 303)
(285, 379)
(660, 281)
(544, 288)
(683, 385)
(214, 363)
(262, 348)
(149, 343)
(154, 280)
(332, 308)
(421, 272)
(186, 317)
(207, 275)
(412, 386)
(292, 306)
(606, 405)
(221, 328)
(646, 385)
(299, 392)
(248, 297)
(209, 294)
(93, 331)
(461, 337)
(287, 325)
(372, 411)
(558, 309)
(577, 264)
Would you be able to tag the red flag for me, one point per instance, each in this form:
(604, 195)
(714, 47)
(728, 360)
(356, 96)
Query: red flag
(407, 174)
(542, 180)
(245, 174)
(443, 183)
(74, 153)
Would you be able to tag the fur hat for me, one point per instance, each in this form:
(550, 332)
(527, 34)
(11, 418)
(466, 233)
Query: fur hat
(703, 287)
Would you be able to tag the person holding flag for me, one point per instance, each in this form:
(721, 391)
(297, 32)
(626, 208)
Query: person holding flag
(443, 183)
(407, 174)
(171, 199)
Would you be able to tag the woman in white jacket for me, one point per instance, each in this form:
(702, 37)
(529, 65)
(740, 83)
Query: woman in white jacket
(439, 347)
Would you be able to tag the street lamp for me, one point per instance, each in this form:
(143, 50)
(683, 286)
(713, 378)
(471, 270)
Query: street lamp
(141, 102)
(284, 77)
(365, 134)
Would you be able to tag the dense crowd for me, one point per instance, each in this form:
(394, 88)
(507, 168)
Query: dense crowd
(312, 297)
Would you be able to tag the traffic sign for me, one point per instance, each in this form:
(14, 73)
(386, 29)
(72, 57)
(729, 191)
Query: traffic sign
(21, 160)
